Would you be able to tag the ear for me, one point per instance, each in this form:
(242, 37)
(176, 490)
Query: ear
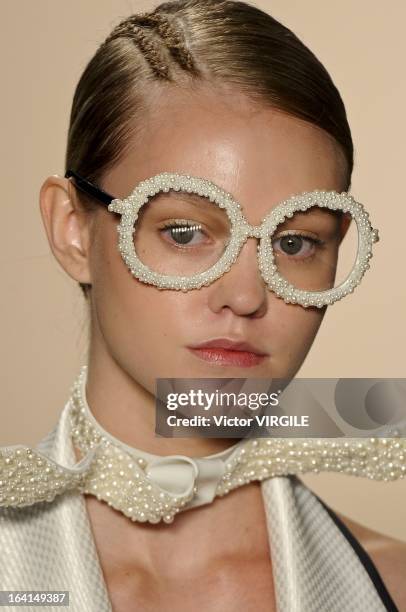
(67, 226)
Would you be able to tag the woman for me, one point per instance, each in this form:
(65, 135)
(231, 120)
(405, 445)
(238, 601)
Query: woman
(222, 92)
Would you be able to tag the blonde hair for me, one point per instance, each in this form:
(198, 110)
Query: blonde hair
(187, 42)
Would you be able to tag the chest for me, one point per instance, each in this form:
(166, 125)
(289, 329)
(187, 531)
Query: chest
(229, 587)
(216, 559)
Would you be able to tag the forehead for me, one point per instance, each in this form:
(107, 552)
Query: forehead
(258, 154)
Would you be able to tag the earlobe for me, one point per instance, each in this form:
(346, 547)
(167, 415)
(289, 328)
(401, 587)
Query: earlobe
(67, 227)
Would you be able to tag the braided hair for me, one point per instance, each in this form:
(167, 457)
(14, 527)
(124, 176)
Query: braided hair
(144, 29)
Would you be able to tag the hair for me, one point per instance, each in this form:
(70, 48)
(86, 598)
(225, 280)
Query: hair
(184, 43)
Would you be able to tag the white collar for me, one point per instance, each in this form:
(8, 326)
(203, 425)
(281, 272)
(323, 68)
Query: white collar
(152, 488)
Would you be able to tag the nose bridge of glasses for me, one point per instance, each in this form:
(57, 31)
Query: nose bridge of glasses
(251, 231)
(254, 231)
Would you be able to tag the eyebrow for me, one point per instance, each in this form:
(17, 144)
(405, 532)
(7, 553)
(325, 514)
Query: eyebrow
(197, 200)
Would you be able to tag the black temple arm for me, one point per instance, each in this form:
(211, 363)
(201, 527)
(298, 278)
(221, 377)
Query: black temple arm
(89, 188)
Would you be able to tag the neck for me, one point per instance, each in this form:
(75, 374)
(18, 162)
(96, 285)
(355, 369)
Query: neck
(126, 410)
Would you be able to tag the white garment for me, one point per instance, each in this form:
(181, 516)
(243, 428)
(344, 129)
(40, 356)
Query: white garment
(50, 546)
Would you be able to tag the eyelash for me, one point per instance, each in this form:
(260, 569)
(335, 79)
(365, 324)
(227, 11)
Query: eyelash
(314, 241)
(181, 224)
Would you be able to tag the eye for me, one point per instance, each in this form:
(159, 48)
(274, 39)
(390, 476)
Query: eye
(182, 233)
(296, 245)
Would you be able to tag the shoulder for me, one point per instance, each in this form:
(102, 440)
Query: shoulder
(387, 554)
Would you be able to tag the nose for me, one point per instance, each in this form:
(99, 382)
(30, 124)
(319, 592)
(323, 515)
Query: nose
(242, 288)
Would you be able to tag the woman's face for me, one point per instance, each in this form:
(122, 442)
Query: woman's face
(260, 156)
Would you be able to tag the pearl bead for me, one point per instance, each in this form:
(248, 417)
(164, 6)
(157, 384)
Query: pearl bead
(119, 477)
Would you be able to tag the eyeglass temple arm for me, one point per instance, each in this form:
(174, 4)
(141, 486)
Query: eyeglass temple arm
(89, 188)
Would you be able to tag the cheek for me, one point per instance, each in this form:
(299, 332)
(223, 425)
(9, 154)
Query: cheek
(138, 325)
(295, 329)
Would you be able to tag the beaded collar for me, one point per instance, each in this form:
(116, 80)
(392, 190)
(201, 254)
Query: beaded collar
(152, 488)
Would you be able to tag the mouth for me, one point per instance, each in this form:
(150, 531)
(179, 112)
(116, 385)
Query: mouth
(225, 352)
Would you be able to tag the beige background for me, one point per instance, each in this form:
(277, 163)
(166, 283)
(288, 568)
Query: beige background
(44, 47)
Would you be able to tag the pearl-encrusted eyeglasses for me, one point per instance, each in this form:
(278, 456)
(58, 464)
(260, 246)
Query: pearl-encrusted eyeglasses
(183, 232)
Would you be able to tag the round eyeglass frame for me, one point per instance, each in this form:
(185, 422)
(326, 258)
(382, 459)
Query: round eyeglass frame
(241, 230)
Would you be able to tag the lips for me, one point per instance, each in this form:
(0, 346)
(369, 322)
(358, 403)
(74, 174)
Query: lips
(223, 351)
(232, 345)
